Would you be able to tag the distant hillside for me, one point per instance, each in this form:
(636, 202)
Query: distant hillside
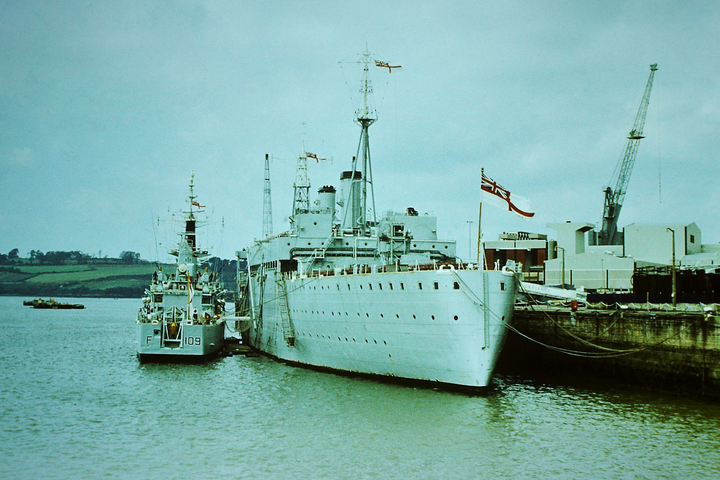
(76, 280)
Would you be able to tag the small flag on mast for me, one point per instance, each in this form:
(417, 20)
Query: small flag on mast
(517, 204)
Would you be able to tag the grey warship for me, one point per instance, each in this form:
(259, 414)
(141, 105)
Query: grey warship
(346, 291)
(183, 313)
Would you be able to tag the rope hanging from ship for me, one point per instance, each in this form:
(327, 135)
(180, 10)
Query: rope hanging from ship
(609, 352)
(606, 353)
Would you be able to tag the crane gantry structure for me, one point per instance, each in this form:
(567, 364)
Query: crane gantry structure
(614, 197)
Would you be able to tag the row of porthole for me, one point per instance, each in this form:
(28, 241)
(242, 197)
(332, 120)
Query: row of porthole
(340, 339)
(347, 244)
(436, 286)
(367, 315)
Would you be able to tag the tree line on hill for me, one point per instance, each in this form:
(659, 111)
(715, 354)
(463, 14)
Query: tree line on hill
(226, 269)
(74, 257)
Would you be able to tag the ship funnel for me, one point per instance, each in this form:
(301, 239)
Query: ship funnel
(350, 185)
(326, 200)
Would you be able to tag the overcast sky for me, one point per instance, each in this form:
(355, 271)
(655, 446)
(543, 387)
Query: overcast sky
(106, 107)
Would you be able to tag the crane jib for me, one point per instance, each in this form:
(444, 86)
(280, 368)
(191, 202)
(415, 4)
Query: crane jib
(614, 196)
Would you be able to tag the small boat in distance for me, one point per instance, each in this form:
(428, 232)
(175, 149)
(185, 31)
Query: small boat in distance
(51, 304)
(183, 313)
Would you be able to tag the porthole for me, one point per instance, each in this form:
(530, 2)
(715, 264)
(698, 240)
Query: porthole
(455, 317)
(432, 316)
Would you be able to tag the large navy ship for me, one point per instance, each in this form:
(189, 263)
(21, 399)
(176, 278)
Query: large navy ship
(346, 291)
(183, 312)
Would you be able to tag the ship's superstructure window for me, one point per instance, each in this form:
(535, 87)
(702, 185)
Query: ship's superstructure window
(402, 286)
(436, 285)
(502, 286)
(419, 286)
(456, 285)
(391, 287)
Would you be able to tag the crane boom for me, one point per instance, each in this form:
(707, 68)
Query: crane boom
(614, 197)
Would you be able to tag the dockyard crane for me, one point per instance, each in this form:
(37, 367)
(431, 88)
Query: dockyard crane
(614, 196)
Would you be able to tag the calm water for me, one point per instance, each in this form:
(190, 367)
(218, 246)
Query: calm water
(75, 403)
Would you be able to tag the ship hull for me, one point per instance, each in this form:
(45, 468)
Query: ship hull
(442, 326)
(190, 342)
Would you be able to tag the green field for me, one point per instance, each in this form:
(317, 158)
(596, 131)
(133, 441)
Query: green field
(77, 280)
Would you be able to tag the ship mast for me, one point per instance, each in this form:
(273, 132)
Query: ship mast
(190, 221)
(301, 187)
(365, 117)
(267, 201)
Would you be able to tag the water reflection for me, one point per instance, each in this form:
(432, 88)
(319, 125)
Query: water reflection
(76, 403)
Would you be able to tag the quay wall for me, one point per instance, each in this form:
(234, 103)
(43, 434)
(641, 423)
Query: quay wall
(668, 350)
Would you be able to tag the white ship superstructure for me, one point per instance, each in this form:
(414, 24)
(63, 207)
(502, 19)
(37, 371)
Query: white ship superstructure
(344, 290)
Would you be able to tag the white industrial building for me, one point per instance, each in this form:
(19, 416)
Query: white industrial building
(611, 267)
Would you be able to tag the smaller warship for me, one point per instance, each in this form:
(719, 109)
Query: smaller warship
(183, 313)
